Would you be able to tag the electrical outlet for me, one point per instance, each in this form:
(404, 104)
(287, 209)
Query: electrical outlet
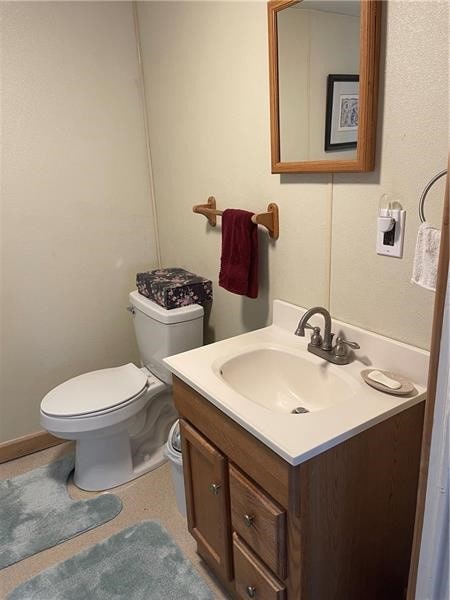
(390, 243)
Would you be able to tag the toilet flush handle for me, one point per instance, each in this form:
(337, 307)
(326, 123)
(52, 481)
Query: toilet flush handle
(130, 308)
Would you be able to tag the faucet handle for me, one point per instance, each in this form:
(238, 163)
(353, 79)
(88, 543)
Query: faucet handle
(341, 346)
(316, 338)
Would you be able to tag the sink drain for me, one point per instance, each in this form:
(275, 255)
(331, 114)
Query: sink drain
(300, 410)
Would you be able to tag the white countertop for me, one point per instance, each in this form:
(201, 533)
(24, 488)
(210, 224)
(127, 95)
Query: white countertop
(297, 438)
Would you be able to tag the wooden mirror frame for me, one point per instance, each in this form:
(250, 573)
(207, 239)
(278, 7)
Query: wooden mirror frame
(369, 42)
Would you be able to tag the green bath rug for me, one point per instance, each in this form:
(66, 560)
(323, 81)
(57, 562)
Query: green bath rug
(37, 513)
(138, 563)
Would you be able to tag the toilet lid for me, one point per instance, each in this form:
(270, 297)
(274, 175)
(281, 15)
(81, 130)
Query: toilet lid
(95, 391)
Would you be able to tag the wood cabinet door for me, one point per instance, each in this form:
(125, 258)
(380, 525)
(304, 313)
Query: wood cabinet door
(207, 499)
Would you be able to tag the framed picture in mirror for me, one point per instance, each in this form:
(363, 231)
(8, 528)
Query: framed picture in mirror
(342, 112)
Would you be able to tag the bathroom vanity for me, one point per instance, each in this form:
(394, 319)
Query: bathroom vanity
(313, 506)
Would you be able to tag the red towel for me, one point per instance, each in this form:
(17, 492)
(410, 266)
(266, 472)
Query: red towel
(239, 260)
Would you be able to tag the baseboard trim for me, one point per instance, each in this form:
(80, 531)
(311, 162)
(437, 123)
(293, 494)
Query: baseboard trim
(27, 445)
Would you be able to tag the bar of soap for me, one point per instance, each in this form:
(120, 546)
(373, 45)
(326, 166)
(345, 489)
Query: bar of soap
(380, 377)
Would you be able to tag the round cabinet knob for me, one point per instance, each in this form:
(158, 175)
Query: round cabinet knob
(251, 591)
(249, 520)
(215, 488)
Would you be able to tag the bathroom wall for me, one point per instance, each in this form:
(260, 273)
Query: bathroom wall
(375, 291)
(206, 68)
(76, 217)
(76, 221)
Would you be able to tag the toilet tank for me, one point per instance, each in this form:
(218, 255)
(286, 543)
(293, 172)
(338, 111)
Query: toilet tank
(161, 332)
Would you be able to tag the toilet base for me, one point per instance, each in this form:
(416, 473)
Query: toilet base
(116, 455)
(120, 445)
(113, 464)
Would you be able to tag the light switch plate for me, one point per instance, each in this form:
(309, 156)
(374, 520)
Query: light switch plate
(396, 249)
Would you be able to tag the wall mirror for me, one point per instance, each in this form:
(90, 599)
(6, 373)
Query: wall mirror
(323, 61)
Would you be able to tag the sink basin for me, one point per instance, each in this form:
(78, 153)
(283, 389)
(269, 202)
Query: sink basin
(286, 382)
(259, 378)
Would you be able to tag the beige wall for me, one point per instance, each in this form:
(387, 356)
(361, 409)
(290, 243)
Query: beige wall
(375, 291)
(76, 222)
(207, 80)
(207, 74)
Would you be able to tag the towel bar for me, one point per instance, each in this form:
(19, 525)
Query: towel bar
(268, 219)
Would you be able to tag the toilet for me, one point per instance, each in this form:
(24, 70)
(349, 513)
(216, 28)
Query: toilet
(120, 417)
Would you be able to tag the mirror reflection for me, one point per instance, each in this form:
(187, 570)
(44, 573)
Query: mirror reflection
(318, 76)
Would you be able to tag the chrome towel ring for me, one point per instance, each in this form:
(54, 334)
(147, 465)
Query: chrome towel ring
(425, 192)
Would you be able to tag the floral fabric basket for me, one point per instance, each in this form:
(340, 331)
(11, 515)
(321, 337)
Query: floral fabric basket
(174, 287)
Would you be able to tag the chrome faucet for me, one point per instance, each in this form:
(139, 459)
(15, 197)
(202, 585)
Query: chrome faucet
(323, 347)
(303, 324)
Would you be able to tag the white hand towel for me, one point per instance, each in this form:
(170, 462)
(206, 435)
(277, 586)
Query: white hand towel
(426, 257)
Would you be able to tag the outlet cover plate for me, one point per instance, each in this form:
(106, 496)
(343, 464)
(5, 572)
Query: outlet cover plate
(397, 249)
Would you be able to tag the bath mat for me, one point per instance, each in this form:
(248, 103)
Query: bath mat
(141, 562)
(36, 511)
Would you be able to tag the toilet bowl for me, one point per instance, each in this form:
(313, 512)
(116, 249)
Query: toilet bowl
(120, 417)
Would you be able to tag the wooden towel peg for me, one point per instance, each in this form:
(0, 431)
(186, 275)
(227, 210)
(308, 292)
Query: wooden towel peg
(268, 219)
(209, 210)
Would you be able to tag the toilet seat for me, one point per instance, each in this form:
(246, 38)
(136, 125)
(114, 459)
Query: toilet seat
(105, 411)
(107, 419)
(96, 393)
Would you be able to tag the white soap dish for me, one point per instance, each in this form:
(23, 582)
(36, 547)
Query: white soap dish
(406, 386)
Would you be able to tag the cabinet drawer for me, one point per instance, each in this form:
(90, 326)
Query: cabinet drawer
(252, 578)
(259, 521)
